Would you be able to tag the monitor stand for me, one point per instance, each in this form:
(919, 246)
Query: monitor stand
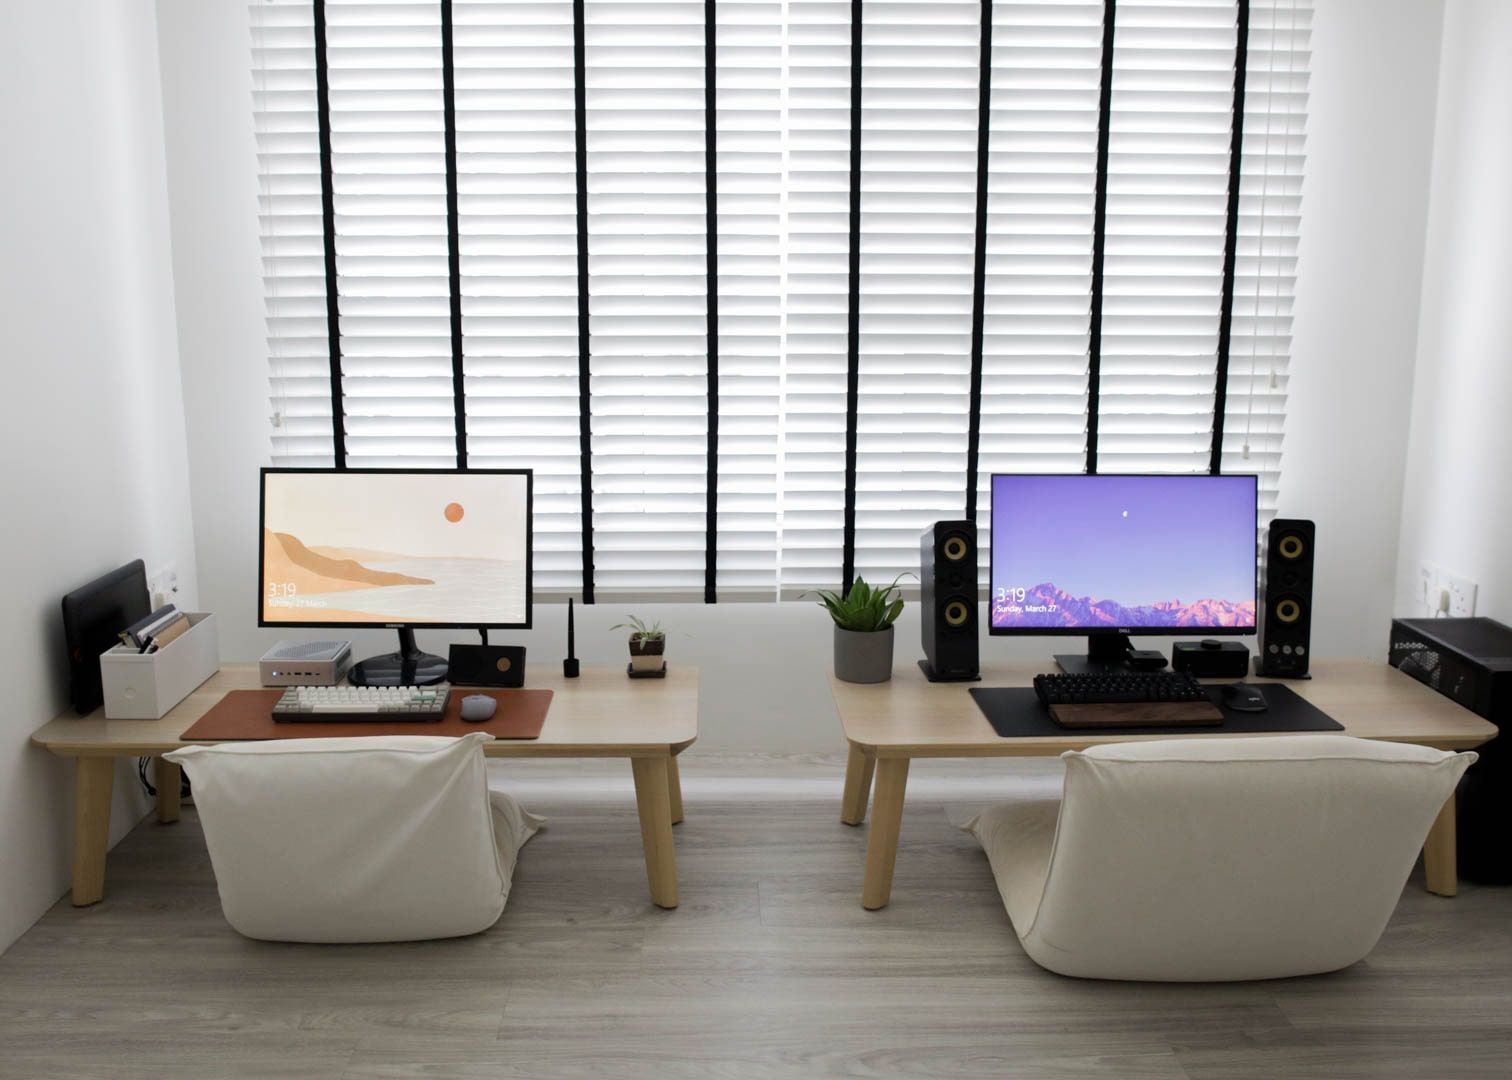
(1107, 654)
(407, 667)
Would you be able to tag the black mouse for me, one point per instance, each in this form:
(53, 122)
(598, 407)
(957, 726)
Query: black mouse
(1242, 697)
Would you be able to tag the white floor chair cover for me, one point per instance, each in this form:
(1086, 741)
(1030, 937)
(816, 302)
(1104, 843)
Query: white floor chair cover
(388, 838)
(1216, 859)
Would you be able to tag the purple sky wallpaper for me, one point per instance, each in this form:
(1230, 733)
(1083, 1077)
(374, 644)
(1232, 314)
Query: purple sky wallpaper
(1109, 551)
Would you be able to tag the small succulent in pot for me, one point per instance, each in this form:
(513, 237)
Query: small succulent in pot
(648, 643)
(864, 620)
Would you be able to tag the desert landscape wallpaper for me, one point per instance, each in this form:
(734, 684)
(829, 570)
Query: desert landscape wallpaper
(394, 548)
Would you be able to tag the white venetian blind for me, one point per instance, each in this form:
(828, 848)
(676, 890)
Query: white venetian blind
(1270, 219)
(646, 240)
(918, 227)
(783, 141)
(1168, 159)
(289, 215)
(1046, 67)
(817, 289)
(749, 155)
(388, 170)
(517, 228)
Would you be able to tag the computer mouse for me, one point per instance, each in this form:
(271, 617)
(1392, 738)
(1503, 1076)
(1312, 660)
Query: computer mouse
(478, 707)
(1242, 697)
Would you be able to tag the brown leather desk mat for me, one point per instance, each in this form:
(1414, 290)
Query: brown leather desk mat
(248, 714)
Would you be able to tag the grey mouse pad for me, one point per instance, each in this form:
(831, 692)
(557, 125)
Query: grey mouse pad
(1014, 712)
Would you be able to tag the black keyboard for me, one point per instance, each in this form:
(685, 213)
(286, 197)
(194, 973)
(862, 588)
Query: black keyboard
(1134, 686)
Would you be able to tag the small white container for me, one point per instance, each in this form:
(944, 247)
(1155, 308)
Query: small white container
(144, 686)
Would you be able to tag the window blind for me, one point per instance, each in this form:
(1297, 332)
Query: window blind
(389, 186)
(918, 226)
(1046, 69)
(1168, 157)
(289, 216)
(722, 472)
(1270, 224)
(816, 298)
(517, 225)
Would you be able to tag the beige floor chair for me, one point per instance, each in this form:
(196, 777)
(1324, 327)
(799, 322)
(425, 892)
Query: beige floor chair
(1219, 858)
(387, 838)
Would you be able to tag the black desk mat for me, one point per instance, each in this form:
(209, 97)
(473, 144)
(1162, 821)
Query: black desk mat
(1014, 712)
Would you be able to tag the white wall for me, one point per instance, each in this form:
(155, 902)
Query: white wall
(1364, 200)
(1457, 505)
(93, 437)
(764, 666)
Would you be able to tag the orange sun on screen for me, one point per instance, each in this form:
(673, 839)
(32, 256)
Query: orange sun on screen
(453, 512)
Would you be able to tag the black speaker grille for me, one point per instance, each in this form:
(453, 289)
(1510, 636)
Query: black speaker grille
(948, 599)
(1286, 622)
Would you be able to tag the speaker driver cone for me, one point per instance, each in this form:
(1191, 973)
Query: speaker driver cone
(1291, 547)
(955, 548)
(957, 613)
(1288, 610)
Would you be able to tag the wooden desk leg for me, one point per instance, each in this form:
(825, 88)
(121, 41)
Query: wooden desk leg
(858, 781)
(1440, 865)
(887, 821)
(674, 790)
(93, 779)
(168, 779)
(654, 801)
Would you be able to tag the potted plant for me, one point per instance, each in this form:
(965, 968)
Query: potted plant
(864, 629)
(648, 644)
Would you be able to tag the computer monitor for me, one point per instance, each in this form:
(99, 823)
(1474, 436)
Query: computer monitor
(444, 548)
(1112, 555)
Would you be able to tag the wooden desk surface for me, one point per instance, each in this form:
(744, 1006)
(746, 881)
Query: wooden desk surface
(912, 717)
(603, 713)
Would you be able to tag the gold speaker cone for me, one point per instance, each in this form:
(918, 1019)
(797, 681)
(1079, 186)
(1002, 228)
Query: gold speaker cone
(956, 613)
(1288, 611)
(1290, 547)
(503, 664)
(955, 548)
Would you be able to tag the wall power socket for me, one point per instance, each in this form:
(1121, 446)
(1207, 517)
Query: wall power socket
(163, 586)
(1461, 595)
(1445, 595)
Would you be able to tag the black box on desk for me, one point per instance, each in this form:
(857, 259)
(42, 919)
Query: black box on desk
(1211, 659)
(1470, 661)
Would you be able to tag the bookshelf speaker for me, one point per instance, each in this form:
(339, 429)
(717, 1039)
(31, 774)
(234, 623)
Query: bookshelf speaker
(1286, 622)
(948, 601)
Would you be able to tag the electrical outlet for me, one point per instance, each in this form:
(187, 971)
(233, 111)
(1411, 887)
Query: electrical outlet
(1461, 595)
(1428, 590)
(163, 586)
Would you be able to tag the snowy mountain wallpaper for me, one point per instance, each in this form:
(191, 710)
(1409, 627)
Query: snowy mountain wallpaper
(1108, 551)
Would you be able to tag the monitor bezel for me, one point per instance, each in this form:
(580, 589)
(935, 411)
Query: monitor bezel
(1126, 631)
(262, 509)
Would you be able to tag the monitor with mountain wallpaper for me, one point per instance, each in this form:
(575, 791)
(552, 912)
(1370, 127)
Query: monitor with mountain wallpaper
(1113, 555)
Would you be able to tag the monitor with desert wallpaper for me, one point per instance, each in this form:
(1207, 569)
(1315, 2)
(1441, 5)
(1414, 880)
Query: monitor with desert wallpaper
(395, 548)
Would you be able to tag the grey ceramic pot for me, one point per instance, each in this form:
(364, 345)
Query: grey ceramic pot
(863, 657)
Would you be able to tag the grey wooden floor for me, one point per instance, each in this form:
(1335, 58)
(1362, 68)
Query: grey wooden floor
(769, 969)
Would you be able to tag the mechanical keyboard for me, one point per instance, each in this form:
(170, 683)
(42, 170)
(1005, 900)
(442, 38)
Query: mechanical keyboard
(320, 704)
(1121, 688)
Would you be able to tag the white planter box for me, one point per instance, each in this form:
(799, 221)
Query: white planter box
(145, 686)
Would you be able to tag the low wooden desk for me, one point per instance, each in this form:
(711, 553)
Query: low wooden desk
(602, 714)
(889, 724)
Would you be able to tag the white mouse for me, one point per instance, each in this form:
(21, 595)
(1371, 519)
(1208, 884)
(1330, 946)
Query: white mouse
(478, 707)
